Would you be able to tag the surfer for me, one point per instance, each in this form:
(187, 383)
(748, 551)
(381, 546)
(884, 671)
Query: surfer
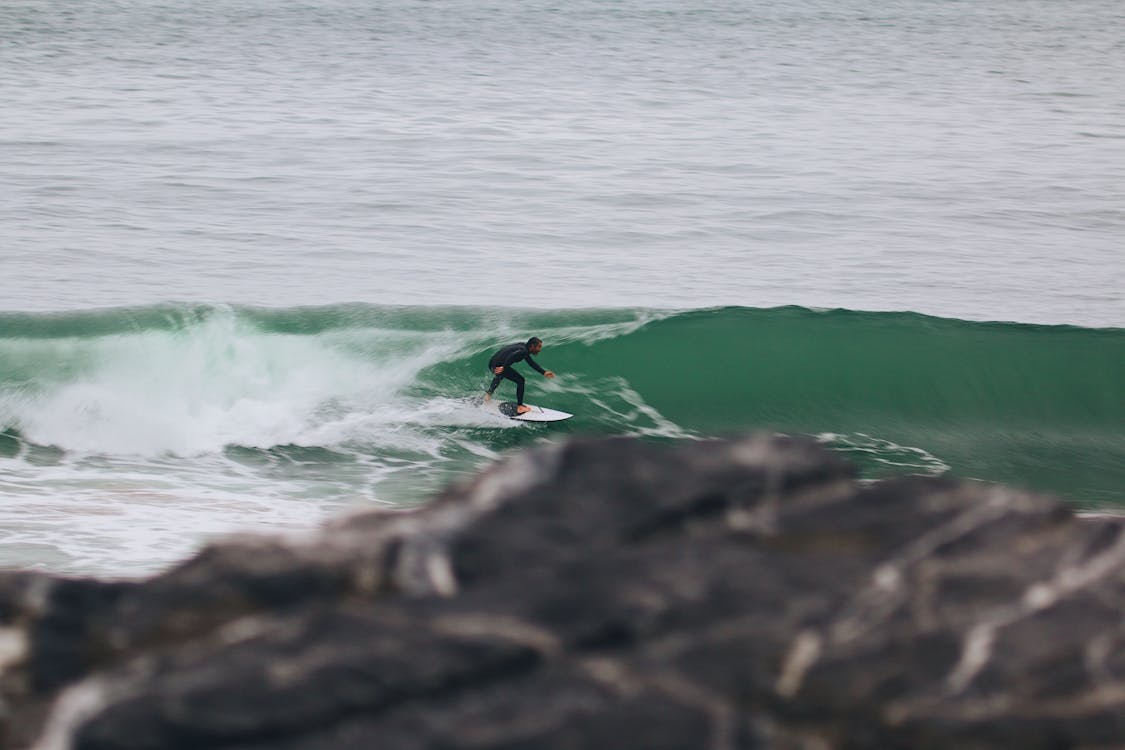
(501, 367)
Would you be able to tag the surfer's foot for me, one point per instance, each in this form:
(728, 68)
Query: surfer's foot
(488, 397)
(522, 409)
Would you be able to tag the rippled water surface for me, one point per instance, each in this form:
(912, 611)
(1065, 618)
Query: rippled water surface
(959, 159)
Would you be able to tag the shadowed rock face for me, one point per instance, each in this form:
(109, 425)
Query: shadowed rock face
(603, 594)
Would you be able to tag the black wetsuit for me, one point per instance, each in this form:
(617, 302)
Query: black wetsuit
(507, 357)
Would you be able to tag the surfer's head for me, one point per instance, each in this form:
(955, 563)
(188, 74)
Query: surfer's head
(534, 344)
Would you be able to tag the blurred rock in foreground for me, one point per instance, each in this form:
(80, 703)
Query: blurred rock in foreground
(603, 594)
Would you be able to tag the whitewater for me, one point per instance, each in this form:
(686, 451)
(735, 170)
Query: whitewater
(255, 254)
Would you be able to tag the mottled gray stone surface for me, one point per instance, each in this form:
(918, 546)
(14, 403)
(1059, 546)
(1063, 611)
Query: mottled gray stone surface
(746, 593)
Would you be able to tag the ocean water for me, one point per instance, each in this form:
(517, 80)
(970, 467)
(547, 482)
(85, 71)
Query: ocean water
(254, 254)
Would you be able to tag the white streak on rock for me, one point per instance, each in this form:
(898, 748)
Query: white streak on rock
(514, 476)
(1036, 598)
(888, 578)
(497, 626)
(440, 573)
(802, 655)
(71, 710)
(975, 654)
(878, 600)
(13, 647)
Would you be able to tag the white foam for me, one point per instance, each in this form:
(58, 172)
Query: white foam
(218, 383)
(166, 439)
(886, 452)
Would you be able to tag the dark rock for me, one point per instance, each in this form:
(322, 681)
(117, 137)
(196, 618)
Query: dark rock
(728, 594)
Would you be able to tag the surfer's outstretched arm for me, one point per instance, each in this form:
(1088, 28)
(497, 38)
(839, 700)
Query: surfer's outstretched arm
(535, 366)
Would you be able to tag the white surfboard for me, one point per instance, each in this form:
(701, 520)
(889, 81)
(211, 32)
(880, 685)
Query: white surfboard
(537, 413)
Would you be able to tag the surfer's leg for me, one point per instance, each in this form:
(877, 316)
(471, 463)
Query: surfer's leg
(516, 378)
(495, 382)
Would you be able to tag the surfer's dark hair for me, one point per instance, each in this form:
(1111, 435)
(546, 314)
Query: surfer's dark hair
(534, 340)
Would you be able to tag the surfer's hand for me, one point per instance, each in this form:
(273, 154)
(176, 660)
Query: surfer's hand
(498, 370)
(548, 374)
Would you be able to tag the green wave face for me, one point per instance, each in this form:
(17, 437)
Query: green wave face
(1037, 406)
(388, 392)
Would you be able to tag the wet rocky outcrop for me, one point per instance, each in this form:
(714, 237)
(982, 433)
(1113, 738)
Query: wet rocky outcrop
(745, 593)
